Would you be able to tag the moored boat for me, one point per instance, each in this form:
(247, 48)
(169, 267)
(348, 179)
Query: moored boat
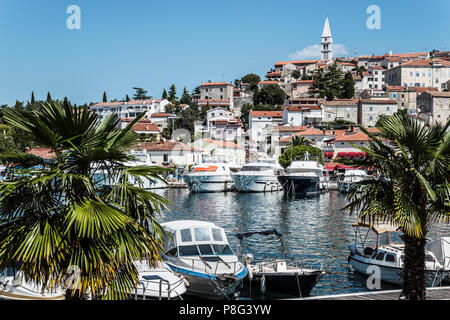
(258, 176)
(200, 252)
(209, 177)
(386, 253)
(350, 177)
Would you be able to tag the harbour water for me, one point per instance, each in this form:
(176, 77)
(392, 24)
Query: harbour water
(314, 228)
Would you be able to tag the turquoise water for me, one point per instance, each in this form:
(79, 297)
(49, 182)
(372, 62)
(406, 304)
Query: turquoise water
(314, 228)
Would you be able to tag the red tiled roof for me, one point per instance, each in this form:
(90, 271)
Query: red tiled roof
(274, 114)
(302, 107)
(160, 115)
(410, 54)
(216, 84)
(303, 82)
(223, 144)
(146, 127)
(167, 146)
(280, 63)
(375, 101)
(340, 102)
(290, 128)
(425, 62)
(44, 153)
(359, 136)
(438, 94)
(268, 82)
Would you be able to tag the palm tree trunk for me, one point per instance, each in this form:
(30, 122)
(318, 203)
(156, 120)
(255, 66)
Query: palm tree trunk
(414, 269)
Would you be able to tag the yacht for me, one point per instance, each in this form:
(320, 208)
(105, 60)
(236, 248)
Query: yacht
(210, 177)
(14, 287)
(304, 177)
(258, 176)
(158, 282)
(387, 253)
(351, 176)
(142, 158)
(200, 252)
(281, 275)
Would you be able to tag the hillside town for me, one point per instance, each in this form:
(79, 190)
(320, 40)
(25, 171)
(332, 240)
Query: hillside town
(238, 122)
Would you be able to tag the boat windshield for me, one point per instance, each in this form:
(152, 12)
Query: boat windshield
(255, 168)
(140, 157)
(396, 237)
(222, 249)
(188, 251)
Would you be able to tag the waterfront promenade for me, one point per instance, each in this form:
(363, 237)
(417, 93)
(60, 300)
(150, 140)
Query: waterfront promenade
(438, 293)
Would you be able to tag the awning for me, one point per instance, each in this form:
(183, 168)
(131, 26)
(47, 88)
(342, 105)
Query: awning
(351, 154)
(330, 167)
(342, 154)
(329, 154)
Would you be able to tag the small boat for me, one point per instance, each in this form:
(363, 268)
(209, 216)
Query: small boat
(258, 176)
(387, 253)
(209, 177)
(284, 276)
(350, 177)
(14, 287)
(200, 252)
(441, 249)
(305, 177)
(158, 283)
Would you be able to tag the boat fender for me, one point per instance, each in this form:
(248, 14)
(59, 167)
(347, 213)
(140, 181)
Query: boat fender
(263, 284)
(186, 283)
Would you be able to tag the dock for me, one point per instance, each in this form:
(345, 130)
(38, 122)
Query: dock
(436, 293)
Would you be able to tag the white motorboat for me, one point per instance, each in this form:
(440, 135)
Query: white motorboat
(258, 176)
(441, 249)
(200, 252)
(209, 177)
(306, 177)
(387, 253)
(142, 158)
(14, 287)
(284, 276)
(158, 283)
(350, 177)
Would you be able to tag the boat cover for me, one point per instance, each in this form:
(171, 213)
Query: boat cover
(241, 236)
(441, 250)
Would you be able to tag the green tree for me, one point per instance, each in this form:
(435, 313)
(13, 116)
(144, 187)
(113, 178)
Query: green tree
(414, 193)
(299, 141)
(49, 97)
(105, 99)
(349, 86)
(186, 97)
(62, 216)
(298, 153)
(127, 98)
(140, 94)
(329, 84)
(173, 94)
(271, 94)
(252, 79)
(32, 101)
(164, 94)
(296, 74)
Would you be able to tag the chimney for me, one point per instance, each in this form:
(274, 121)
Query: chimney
(390, 53)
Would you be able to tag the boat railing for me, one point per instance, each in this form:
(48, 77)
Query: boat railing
(192, 262)
(160, 282)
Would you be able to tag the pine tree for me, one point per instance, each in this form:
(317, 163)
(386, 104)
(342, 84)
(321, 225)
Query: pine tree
(164, 94)
(329, 84)
(104, 97)
(127, 98)
(173, 94)
(140, 94)
(49, 97)
(186, 97)
(32, 98)
(349, 86)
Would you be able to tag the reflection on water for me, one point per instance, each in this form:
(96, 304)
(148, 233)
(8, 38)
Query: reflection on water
(314, 228)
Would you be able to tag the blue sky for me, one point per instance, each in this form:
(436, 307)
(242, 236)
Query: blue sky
(152, 44)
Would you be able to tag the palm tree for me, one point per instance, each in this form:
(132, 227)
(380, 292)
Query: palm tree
(299, 141)
(414, 192)
(63, 218)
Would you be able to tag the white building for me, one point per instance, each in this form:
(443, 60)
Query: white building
(436, 105)
(370, 110)
(340, 109)
(130, 109)
(420, 73)
(261, 124)
(222, 151)
(170, 152)
(217, 114)
(302, 115)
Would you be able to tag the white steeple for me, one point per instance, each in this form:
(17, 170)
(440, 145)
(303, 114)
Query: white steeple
(327, 42)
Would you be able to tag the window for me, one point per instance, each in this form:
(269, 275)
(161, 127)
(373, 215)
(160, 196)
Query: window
(387, 108)
(380, 256)
(390, 258)
(217, 234)
(186, 235)
(172, 252)
(188, 251)
(166, 157)
(201, 234)
(222, 249)
(370, 108)
(205, 249)
(370, 118)
(395, 96)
